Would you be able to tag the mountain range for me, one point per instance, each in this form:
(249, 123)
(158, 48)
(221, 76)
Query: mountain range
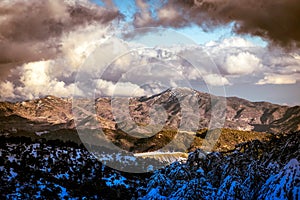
(53, 113)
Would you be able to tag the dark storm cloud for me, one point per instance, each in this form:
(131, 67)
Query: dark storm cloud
(274, 20)
(31, 30)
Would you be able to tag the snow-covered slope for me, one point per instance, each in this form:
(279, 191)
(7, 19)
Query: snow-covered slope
(254, 170)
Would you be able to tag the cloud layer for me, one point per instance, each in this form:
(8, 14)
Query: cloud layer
(230, 61)
(32, 30)
(275, 20)
(45, 43)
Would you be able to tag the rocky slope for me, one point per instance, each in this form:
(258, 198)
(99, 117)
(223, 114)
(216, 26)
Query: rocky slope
(52, 113)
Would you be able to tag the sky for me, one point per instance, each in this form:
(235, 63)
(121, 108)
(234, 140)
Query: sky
(244, 48)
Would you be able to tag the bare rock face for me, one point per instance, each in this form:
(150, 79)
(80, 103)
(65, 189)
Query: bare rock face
(53, 113)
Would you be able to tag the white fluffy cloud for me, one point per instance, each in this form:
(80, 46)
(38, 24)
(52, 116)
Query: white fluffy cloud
(216, 80)
(77, 45)
(36, 81)
(281, 69)
(279, 79)
(7, 90)
(55, 76)
(231, 42)
(235, 56)
(242, 64)
(240, 61)
(109, 88)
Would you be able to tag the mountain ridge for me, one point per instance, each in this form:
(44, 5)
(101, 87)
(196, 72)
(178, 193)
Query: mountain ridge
(54, 113)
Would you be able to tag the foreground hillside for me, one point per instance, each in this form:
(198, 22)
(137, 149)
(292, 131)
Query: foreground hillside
(227, 140)
(44, 169)
(254, 170)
